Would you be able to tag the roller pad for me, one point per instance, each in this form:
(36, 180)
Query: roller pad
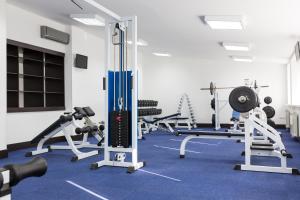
(89, 111)
(94, 129)
(78, 131)
(101, 127)
(35, 168)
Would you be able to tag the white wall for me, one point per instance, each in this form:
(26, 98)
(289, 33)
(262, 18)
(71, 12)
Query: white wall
(166, 79)
(294, 68)
(2, 75)
(27, 31)
(87, 84)
(82, 86)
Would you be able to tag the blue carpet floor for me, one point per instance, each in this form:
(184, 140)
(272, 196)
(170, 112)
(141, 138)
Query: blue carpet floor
(206, 173)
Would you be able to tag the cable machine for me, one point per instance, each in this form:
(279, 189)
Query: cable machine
(121, 95)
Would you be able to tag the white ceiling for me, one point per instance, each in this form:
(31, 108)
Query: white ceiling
(174, 26)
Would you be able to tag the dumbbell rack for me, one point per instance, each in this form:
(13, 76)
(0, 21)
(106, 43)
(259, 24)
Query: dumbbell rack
(146, 109)
(190, 108)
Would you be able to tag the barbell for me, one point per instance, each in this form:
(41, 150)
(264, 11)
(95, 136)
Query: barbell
(212, 87)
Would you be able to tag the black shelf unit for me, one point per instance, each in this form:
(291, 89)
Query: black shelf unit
(35, 78)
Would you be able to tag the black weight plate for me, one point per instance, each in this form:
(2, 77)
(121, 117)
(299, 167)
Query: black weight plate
(268, 100)
(213, 103)
(270, 111)
(213, 120)
(211, 88)
(242, 107)
(258, 102)
(271, 123)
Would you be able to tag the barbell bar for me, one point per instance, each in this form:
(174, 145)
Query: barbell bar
(212, 87)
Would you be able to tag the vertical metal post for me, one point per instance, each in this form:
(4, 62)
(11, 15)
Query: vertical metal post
(217, 111)
(107, 65)
(134, 90)
(248, 130)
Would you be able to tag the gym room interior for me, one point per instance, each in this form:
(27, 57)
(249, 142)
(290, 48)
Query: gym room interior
(137, 99)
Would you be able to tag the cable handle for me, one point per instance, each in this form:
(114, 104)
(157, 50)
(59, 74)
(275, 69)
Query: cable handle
(120, 103)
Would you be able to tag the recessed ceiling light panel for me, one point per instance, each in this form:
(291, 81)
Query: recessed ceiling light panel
(242, 59)
(140, 42)
(225, 22)
(236, 46)
(162, 54)
(88, 19)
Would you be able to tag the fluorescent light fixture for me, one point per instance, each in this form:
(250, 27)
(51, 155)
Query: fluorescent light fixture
(242, 59)
(140, 42)
(225, 22)
(162, 54)
(236, 46)
(88, 19)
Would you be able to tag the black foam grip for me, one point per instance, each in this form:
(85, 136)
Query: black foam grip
(1, 180)
(35, 168)
(82, 130)
(104, 83)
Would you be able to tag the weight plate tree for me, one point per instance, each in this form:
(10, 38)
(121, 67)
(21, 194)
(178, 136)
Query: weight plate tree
(120, 85)
(243, 99)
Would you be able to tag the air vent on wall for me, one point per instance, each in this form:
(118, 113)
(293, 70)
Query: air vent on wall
(55, 35)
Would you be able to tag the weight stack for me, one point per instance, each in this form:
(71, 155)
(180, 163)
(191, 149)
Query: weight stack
(119, 128)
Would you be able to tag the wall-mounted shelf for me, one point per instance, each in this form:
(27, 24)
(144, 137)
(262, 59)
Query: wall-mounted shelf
(35, 78)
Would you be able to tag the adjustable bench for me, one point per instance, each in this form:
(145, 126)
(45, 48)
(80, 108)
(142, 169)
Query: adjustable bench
(62, 125)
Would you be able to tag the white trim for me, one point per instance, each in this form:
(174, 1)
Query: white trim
(170, 148)
(86, 190)
(210, 144)
(167, 177)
